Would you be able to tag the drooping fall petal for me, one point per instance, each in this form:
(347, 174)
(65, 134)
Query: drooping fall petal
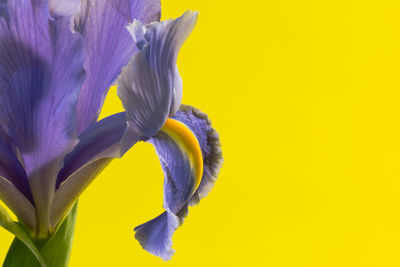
(179, 148)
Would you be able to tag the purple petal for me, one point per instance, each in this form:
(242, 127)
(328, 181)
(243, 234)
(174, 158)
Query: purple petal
(39, 91)
(63, 7)
(180, 182)
(208, 139)
(98, 140)
(150, 87)
(12, 170)
(180, 179)
(99, 144)
(108, 46)
(155, 236)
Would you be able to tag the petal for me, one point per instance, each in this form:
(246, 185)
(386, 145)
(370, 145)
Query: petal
(178, 163)
(39, 91)
(150, 87)
(99, 144)
(182, 142)
(208, 139)
(63, 7)
(108, 46)
(18, 204)
(12, 170)
(182, 185)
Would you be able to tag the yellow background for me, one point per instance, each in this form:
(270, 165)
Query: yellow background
(305, 96)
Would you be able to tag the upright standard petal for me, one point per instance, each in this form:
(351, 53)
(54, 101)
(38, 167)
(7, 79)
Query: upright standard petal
(150, 87)
(181, 144)
(39, 92)
(108, 47)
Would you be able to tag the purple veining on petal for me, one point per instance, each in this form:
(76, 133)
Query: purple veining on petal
(150, 87)
(39, 91)
(109, 47)
(155, 236)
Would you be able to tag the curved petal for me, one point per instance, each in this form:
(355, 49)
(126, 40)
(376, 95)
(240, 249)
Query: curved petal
(184, 183)
(150, 87)
(208, 139)
(18, 204)
(99, 140)
(109, 47)
(99, 144)
(39, 92)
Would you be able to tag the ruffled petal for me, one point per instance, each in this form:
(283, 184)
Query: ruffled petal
(109, 47)
(99, 144)
(210, 144)
(150, 87)
(39, 91)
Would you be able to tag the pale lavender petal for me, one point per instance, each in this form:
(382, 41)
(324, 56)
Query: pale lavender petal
(64, 7)
(208, 139)
(18, 204)
(99, 144)
(150, 87)
(108, 46)
(39, 91)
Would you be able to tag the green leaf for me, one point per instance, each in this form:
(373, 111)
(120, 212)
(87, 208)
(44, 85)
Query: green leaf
(21, 235)
(55, 251)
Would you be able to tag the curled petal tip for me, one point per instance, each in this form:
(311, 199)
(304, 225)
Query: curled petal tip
(155, 236)
(150, 87)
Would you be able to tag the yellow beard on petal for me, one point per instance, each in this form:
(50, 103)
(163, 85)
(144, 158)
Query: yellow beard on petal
(187, 141)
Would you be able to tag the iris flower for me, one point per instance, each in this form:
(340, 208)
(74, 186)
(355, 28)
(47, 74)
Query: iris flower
(57, 60)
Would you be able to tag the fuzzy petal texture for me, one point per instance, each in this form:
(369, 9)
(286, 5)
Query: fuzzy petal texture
(108, 46)
(150, 87)
(210, 144)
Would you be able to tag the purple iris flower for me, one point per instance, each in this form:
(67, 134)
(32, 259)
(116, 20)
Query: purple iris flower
(57, 60)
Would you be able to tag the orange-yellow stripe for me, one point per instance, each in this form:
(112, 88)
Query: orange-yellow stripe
(184, 137)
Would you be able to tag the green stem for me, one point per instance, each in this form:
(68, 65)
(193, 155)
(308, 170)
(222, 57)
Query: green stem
(55, 251)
